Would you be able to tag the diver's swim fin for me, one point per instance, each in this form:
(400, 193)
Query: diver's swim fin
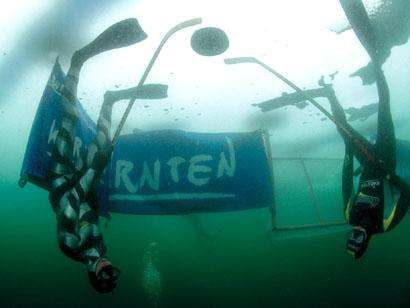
(357, 15)
(120, 34)
(366, 74)
(366, 33)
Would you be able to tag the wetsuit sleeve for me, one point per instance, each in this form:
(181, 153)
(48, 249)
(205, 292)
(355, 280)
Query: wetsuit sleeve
(399, 211)
(347, 181)
(400, 207)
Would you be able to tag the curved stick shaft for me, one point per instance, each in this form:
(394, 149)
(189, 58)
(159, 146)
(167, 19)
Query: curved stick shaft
(361, 143)
(188, 23)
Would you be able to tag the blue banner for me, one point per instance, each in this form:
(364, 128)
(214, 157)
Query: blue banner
(159, 172)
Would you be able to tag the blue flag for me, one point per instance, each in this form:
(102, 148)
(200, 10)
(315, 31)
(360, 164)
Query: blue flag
(159, 172)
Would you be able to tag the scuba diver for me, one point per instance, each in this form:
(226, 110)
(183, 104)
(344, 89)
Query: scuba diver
(364, 209)
(73, 192)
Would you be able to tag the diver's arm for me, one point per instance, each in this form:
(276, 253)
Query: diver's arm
(347, 180)
(399, 211)
(401, 206)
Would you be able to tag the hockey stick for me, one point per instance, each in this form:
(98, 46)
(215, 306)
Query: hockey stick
(188, 23)
(146, 91)
(284, 79)
(362, 144)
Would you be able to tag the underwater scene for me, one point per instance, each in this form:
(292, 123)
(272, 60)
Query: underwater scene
(205, 153)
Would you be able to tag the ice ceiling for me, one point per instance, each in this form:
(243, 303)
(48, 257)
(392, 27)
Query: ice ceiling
(205, 95)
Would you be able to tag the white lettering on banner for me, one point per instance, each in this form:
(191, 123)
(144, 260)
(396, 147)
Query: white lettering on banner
(174, 162)
(223, 166)
(53, 133)
(194, 167)
(198, 172)
(78, 143)
(153, 181)
(123, 168)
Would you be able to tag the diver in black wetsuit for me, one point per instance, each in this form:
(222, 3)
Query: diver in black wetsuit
(73, 191)
(364, 209)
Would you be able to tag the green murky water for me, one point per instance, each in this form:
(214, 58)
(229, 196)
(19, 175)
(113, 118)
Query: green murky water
(205, 260)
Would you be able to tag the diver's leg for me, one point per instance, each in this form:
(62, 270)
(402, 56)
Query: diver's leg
(62, 152)
(103, 276)
(103, 140)
(337, 112)
(386, 139)
(63, 198)
(63, 149)
(347, 171)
